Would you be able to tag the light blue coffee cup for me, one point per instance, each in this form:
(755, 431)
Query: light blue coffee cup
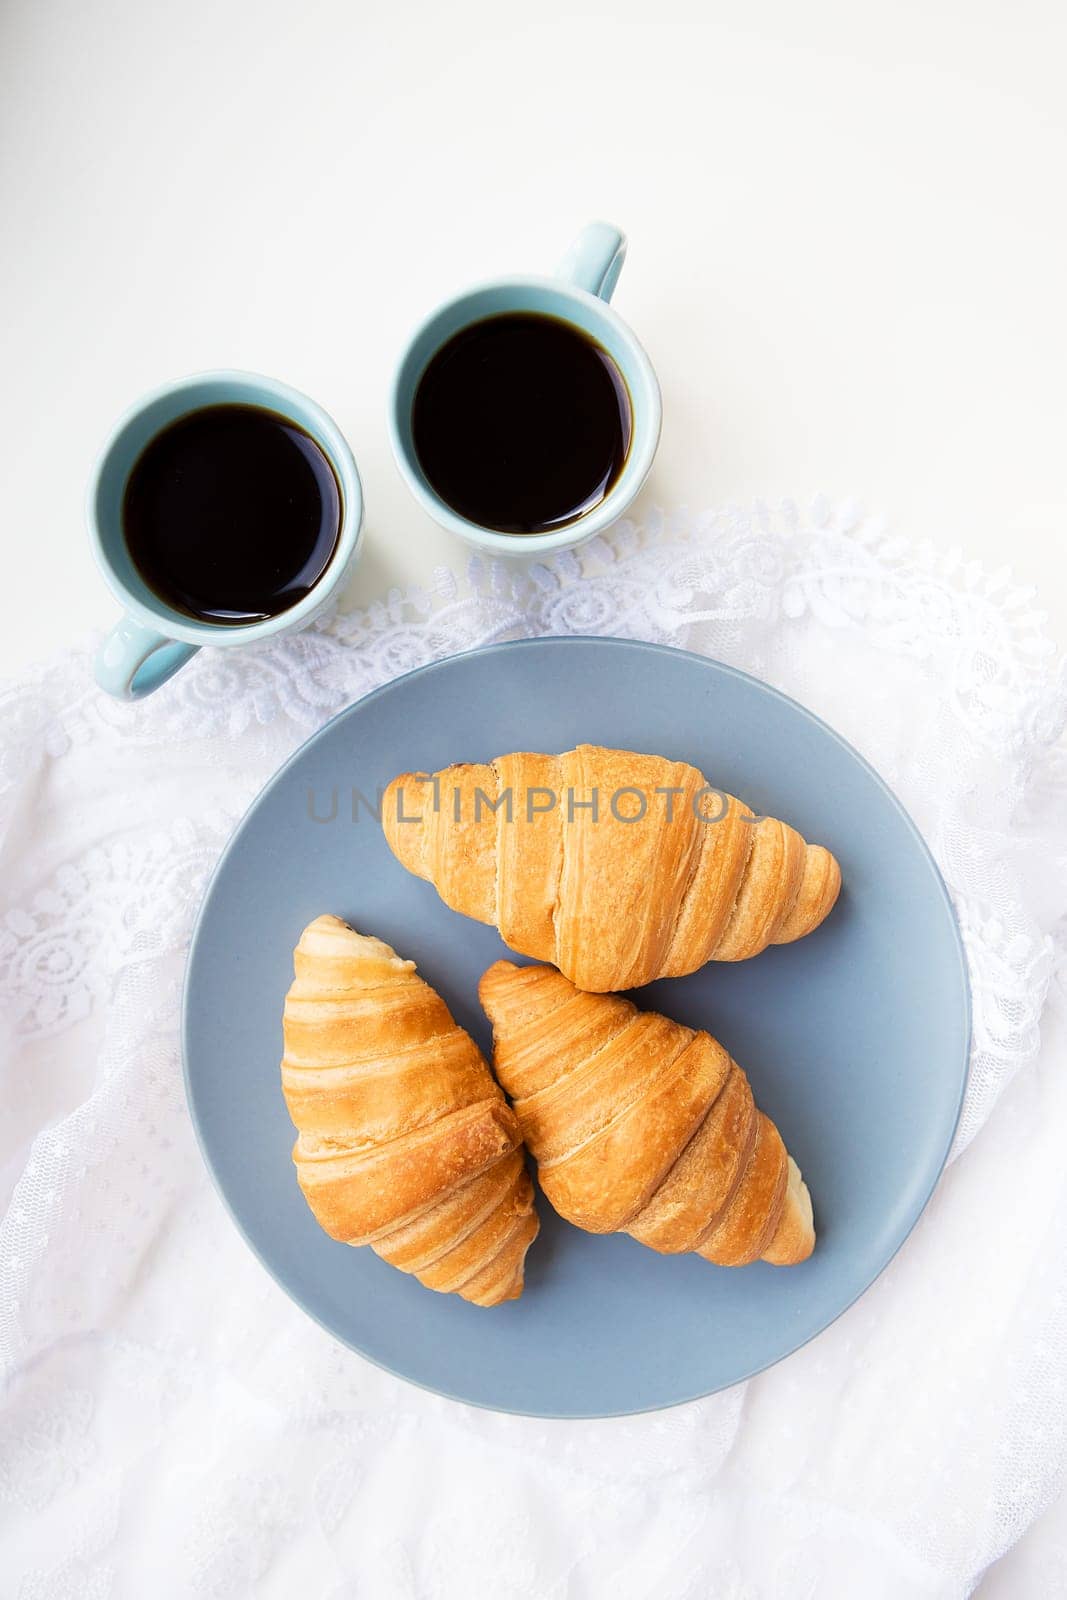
(579, 294)
(152, 641)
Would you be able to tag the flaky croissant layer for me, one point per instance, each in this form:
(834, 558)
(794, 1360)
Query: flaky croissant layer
(405, 1141)
(642, 1126)
(616, 867)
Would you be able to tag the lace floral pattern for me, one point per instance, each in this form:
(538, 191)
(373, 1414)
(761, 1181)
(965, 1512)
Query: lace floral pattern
(197, 1436)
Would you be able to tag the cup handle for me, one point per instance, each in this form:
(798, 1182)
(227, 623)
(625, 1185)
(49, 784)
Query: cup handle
(134, 661)
(595, 259)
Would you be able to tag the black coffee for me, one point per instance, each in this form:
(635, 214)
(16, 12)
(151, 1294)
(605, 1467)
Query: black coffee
(521, 423)
(231, 514)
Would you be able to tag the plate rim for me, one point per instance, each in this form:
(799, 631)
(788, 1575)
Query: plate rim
(609, 642)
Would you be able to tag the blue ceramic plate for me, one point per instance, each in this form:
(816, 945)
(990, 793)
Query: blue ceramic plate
(855, 1039)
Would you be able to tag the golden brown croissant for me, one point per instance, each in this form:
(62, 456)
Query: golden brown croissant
(693, 876)
(406, 1143)
(641, 1126)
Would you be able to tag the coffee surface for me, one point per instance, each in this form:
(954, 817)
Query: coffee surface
(521, 423)
(231, 514)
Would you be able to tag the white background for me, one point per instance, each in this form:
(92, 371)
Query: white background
(848, 245)
(848, 242)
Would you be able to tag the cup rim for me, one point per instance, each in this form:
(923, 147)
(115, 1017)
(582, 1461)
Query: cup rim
(635, 470)
(310, 416)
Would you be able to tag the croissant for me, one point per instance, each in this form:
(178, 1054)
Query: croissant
(642, 1126)
(617, 868)
(405, 1142)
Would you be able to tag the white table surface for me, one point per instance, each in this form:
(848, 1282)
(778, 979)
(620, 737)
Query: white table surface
(848, 243)
(848, 247)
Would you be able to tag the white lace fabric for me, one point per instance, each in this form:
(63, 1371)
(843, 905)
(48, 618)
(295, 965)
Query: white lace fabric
(171, 1425)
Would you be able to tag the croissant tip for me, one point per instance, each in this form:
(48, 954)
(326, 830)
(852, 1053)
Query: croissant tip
(325, 929)
(328, 920)
(833, 888)
(492, 975)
